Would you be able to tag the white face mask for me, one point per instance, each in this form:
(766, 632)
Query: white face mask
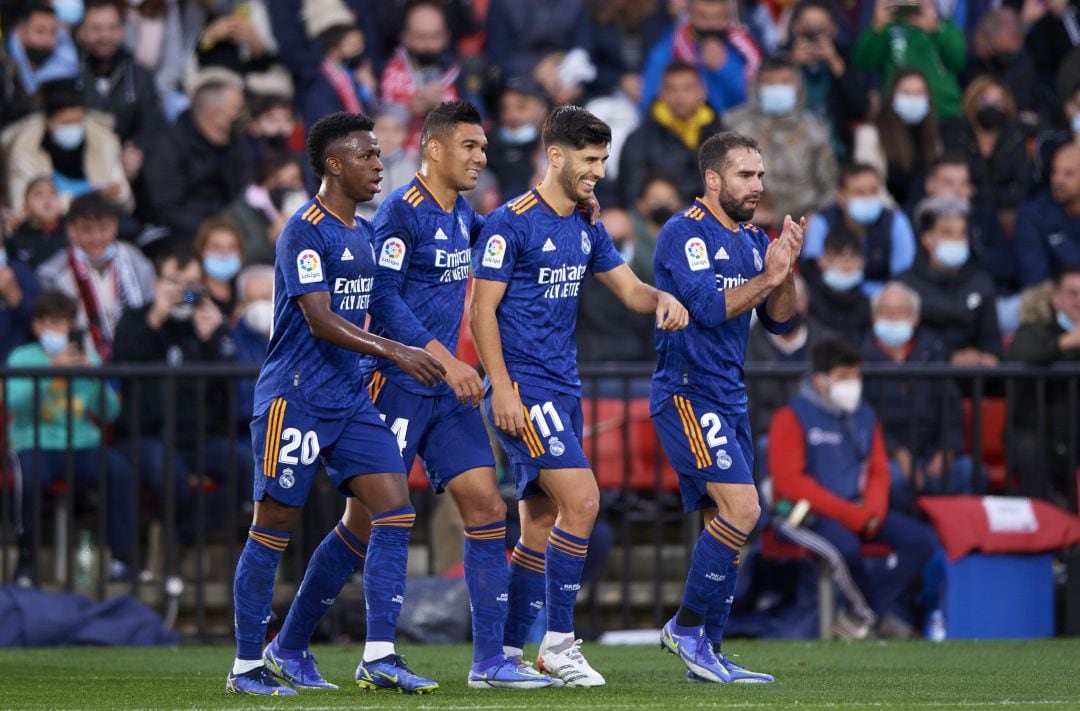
(259, 316)
(69, 136)
(845, 394)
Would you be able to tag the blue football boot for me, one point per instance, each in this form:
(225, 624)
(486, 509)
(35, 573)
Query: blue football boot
(257, 682)
(695, 650)
(392, 674)
(508, 673)
(299, 671)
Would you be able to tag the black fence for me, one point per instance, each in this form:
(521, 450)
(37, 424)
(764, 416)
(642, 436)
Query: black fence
(1008, 412)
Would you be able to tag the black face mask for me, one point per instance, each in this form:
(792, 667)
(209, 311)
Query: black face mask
(277, 142)
(660, 215)
(426, 59)
(353, 63)
(37, 55)
(707, 34)
(1004, 60)
(990, 118)
(277, 196)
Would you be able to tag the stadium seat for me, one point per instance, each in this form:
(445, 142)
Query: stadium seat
(994, 414)
(774, 548)
(615, 464)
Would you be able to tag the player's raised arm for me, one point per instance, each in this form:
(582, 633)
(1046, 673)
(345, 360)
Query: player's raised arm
(506, 406)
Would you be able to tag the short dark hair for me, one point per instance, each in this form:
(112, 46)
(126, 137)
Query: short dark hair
(273, 161)
(657, 176)
(35, 8)
(574, 127)
(678, 66)
(948, 158)
(55, 304)
(259, 104)
(60, 94)
(713, 153)
(833, 353)
(330, 128)
(91, 206)
(775, 62)
(120, 7)
(332, 36)
(841, 241)
(851, 170)
(181, 251)
(444, 118)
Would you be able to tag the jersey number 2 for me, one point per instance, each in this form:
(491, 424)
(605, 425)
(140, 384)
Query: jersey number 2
(711, 425)
(306, 442)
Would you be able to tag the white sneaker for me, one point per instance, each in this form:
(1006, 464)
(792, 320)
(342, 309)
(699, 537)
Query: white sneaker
(569, 665)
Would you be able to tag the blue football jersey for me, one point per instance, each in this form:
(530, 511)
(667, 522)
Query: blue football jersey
(696, 260)
(317, 251)
(543, 258)
(423, 252)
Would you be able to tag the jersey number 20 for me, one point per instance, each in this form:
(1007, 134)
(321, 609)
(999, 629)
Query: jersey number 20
(306, 442)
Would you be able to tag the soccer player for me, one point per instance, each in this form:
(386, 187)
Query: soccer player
(423, 234)
(311, 405)
(530, 260)
(721, 267)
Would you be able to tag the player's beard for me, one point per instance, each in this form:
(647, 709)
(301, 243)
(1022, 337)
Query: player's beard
(734, 207)
(569, 183)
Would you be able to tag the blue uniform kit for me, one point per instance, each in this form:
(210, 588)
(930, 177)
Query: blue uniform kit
(543, 258)
(698, 399)
(310, 401)
(423, 251)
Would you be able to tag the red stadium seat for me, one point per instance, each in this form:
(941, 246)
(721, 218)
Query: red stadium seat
(614, 464)
(994, 413)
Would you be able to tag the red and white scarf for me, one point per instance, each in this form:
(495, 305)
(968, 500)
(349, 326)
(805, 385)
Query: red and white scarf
(343, 85)
(686, 47)
(128, 292)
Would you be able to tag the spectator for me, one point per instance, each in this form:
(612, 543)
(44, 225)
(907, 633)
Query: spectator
(834, 284)
(423, 71)
(153, 35)
(198, 166)
(922, 419)
(345, 80)
(994, 143)
(950, 176)
(606, 332)
(63, 427)
(255, 286)
(767, 395)
(826, 448)
(77, 148)
(272, 128)
(797, 146)
(1052, 33)
(921, 39)
(400, 161)
(266, 205)
(18, 289)
(723, 52)
(832, 89)
(998, 51)
(679, 122)
(550, 41)
(1048, 225)
(113, 83)
(219, 245)
(1047, 143)
(888, 242)
(1044, 471)
(957, 297)
(104, 276)
(905, 139)
(182, 325)
(233, 34)
(15, 101)
(658, 202)
(623, 33)
(514, 151)
(40, 48)
(40, 235)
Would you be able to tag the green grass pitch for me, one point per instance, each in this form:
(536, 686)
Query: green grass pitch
(911, 675)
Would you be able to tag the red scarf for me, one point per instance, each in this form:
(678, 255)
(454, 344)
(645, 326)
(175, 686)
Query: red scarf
(686, 48)
(129, 295)
(343, 86)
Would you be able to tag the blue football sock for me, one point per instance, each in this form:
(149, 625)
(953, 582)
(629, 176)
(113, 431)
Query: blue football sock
(384, 571)
(720, 609)
(714, 552)
(526, 594)
(565, 561)
(253, 588)
(487, 578)
(333, 563)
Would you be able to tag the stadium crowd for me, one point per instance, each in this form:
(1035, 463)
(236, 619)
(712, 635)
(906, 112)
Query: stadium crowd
(151, 152)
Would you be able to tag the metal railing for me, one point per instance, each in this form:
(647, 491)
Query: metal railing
(652, 536)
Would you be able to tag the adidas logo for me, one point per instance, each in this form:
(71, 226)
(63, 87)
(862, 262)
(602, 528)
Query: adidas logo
(549, 246)
(537, 604)
(503, 598)
(398, 600)
(439, 234)
(721, 254)
(346, 256)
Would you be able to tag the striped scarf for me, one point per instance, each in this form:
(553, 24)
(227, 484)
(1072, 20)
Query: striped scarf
(686, 48)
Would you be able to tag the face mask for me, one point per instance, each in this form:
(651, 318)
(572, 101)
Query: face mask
(107, 256)
(37, 55)
(277, 142)
(259, 316)
(221, 267)
(68, 136)
(426, 59)
(1065, 322)
(626, 249)
(353, 63)
(3, 259)
(911, 108)
(990, 118)
(277, 197)
(893, 333)
(710, 34)
(70, 12)
(864, 210)
(839, 280)
(845, 394)
(1076, 124)
(952, 254)
(53, 342)
(777, 99)
(526, 133)
(660, 215)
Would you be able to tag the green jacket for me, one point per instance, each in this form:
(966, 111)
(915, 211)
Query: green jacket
(53, 407)
(940, 55)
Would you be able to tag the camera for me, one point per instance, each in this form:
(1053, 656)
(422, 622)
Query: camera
(906, 8)
(812, 36)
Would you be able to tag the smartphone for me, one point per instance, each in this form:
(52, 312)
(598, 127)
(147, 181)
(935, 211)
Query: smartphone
(76, 337)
